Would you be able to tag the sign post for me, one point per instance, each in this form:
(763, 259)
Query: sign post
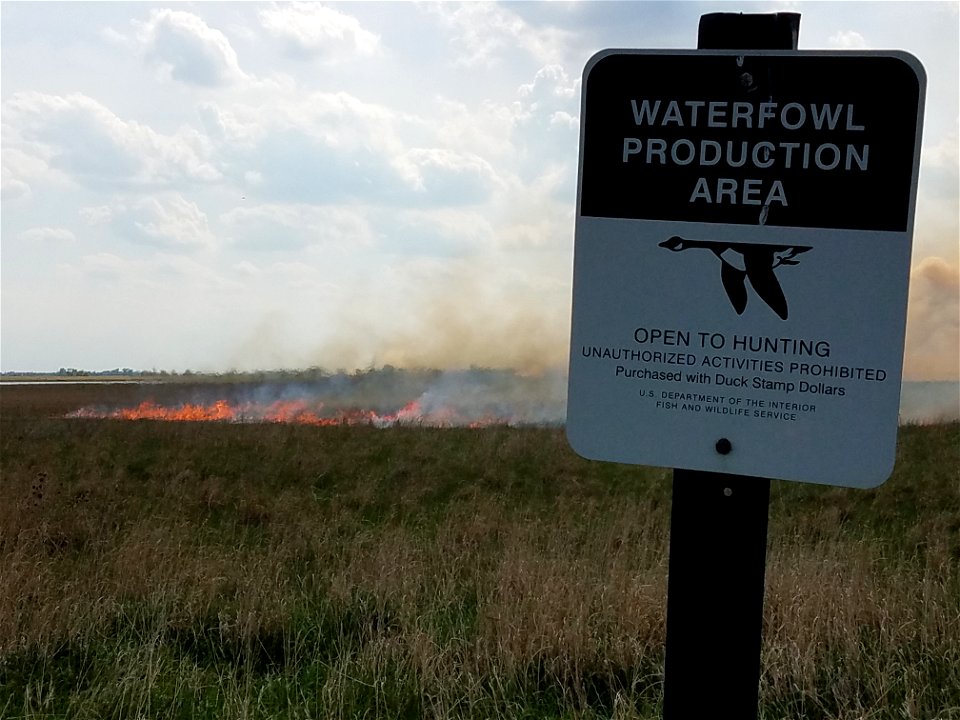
(718, 522)
(741, 263)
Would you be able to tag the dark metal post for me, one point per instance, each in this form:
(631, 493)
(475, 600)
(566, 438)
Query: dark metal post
(718, 523)
(718, 547)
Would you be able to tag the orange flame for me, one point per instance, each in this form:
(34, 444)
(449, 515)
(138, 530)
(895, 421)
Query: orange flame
(220, 410)
(298, 412)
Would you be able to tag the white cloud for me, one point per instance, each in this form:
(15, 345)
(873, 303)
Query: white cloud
(448, 176)
(551, 81)
(314, 30)
(286, 227)
(552, 91)
(12, 188)
(177, 270)
(186, 49)
(338, 120)
(114, 37)
(515, 138)
(320, 147)
(485, 129)
(848, 40)
(565, 120)
(246, 268)
(301, 276)
(343, 119)
(484, 32)
(443, 231)
(98, 215)
(172, 221)
(145, 277)
(101, 266)
(22, 171)
(166, 220)
(48, 235)
(331, 147)
(86, 140)
(945, 153)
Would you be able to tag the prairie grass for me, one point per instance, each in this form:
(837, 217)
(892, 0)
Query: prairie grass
(208, 570)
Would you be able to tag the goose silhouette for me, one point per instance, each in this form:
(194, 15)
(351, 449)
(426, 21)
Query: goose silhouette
(740, 262)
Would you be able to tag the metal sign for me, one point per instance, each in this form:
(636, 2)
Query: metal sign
(741, 263)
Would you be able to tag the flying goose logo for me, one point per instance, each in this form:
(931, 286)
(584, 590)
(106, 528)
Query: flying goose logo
(740, 262)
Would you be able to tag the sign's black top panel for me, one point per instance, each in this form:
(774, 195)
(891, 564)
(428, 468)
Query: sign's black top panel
(794, 140)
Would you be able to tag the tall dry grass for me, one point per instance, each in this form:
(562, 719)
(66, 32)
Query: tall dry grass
(208, 570)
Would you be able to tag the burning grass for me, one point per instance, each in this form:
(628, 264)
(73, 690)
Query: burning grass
(297, 412)
(219, 569)
(473, 398)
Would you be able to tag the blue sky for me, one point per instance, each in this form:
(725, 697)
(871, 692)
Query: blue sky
(250, 185)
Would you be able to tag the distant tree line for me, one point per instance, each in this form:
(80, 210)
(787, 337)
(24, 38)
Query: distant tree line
(71, 372)
(310, 374)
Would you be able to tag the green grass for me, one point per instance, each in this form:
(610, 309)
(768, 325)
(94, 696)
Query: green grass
(182, 570)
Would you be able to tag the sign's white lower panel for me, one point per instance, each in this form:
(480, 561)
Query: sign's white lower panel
(786, 342)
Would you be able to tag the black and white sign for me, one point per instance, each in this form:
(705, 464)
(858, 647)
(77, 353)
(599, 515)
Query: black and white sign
(742, 259)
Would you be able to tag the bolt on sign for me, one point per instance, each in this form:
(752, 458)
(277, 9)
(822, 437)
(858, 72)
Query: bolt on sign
(741, 260)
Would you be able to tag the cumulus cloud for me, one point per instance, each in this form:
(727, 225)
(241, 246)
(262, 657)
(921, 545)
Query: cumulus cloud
(246, 268)
(172, 221)
(165, 270)
(442, 231)
(332, 147)
(86, 140)
(22, 171)
(48, 235)
(166, 220)
(565, 120)
(115, 37)
(933, 322)
(159, 272)
(486, 129)
(96, 215)
(342, 119)
(483, 32)
(943, 153)
(101, 266)
(550, 82)
(515, 137)
(548, 116)
(286, 227)
(188, 50)
(848, 40)
(553, 97)
(313, 30)
(298, 165)
(328, 148)
(13, 188)
(448, 176)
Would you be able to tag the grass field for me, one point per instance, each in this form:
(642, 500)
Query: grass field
(215, 570)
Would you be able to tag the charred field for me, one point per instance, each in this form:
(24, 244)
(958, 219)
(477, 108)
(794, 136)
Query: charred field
(267, 569)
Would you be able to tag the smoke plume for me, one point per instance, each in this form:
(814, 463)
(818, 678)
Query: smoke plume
(933, 322)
